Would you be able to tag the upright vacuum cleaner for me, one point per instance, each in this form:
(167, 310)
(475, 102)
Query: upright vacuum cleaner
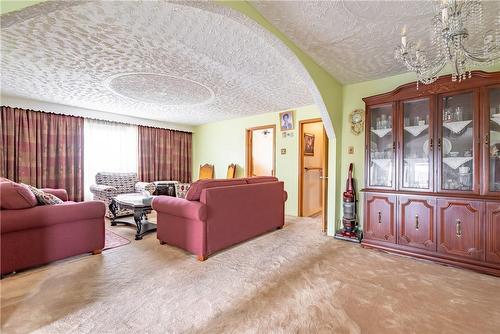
(349, 230)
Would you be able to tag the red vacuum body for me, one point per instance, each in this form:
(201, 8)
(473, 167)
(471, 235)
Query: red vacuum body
(349, 230)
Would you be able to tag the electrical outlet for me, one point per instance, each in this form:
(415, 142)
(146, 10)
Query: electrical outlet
(283, 151)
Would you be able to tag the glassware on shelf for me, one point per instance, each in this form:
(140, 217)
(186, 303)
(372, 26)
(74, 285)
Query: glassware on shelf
(457, 133)
(459, 112)
(416, 170)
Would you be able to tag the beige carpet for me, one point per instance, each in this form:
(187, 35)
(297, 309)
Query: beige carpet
(290, 281)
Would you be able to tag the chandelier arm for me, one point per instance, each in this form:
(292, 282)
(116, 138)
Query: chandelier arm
(495, 54)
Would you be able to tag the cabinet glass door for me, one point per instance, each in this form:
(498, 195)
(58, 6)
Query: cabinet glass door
(456, 143)
(381, 147)
(416, 148)
(493, 139)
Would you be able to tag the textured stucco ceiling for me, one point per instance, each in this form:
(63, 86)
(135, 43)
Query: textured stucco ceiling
(355, 40)
(183, 62)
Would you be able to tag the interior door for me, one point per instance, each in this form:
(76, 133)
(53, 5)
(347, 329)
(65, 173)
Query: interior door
(312, 183)
(261, 143)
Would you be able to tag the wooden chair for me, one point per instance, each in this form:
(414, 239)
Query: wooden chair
(231, 171)
(206, 172)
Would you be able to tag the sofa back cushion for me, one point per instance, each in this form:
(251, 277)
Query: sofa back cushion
(123, 182)
(194, 191)
(15, 196)
(44, 198)
(261, 179)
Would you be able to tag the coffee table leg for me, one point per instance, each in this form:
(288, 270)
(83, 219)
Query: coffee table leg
(138, 221)
(113, 208)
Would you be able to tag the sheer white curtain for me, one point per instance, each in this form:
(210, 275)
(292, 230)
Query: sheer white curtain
(108, 147)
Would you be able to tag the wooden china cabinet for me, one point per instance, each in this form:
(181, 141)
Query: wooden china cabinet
(432, 173)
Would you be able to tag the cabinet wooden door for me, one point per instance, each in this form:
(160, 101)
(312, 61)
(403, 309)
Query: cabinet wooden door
(380, 213)
(381, 147)
(493, 232)
(415, 145)
(417, 222)
(457, 142)
(460, 228)
(491, 140)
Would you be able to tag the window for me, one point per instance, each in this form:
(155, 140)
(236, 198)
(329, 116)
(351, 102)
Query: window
(108, 147)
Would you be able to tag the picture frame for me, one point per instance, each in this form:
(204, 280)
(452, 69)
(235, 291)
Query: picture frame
(308, 144)
(286, 120)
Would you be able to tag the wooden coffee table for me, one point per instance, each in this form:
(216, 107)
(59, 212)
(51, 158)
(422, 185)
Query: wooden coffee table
(133, 202)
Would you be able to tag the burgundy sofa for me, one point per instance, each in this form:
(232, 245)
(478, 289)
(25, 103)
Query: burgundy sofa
(32, 235)
(217, 214)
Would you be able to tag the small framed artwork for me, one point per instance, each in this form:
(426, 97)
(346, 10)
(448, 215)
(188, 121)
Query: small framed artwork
(308, 144)
(286, 120)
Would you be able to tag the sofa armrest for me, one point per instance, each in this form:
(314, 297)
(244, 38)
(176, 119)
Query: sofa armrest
(62, 194)
(180, 207)
(100, 189)
(148, 186)
(47, 215)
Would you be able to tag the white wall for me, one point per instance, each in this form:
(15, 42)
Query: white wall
(18, 102)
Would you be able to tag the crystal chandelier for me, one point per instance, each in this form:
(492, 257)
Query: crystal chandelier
(458, 38)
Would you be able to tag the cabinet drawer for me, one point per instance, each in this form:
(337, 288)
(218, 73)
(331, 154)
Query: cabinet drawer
(460, 228)
(493, 232)
(417, 222)
(380, 213)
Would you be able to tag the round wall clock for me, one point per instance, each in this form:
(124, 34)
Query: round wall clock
(357, 119)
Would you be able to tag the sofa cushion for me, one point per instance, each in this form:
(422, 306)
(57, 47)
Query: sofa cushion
(261, 179)
(16, 196)
(194, 191)
(45, 198)
(181, 189)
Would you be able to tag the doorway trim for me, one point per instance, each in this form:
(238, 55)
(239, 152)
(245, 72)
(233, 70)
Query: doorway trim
(324, 187)
(248, 149)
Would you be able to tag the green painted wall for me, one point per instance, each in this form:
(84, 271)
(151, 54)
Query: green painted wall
(331, 93)
(352, 99)
(10, 6)
(222, 143)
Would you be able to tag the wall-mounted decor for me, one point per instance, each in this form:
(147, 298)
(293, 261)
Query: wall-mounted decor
(357, 119)
(308, 144)
(286, 120)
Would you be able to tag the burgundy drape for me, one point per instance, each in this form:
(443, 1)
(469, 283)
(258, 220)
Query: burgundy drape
(42, 149)
(164, 155)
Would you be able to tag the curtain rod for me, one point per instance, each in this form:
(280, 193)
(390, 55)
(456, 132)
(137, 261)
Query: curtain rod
(96, 119)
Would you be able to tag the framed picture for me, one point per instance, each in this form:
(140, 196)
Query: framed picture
(286, 120)
(308, 144)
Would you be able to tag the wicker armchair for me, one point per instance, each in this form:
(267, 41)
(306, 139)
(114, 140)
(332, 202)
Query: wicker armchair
(108, 185)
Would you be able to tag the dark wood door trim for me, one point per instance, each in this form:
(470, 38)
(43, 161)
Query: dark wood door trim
(248, 148)
(301, 161)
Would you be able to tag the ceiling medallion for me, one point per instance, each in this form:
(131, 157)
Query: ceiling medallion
(458, 37)
(159, 89)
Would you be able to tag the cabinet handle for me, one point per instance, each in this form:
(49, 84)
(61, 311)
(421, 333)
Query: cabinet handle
(380, 217)
(431, 144)
(459, 228)
(486, 140)
(416, 223)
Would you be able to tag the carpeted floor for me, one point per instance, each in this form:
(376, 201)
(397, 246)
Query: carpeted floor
(294, 280)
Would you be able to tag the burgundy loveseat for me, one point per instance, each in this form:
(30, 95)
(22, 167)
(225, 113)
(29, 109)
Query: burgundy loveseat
(33, 235)
(217, 214)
